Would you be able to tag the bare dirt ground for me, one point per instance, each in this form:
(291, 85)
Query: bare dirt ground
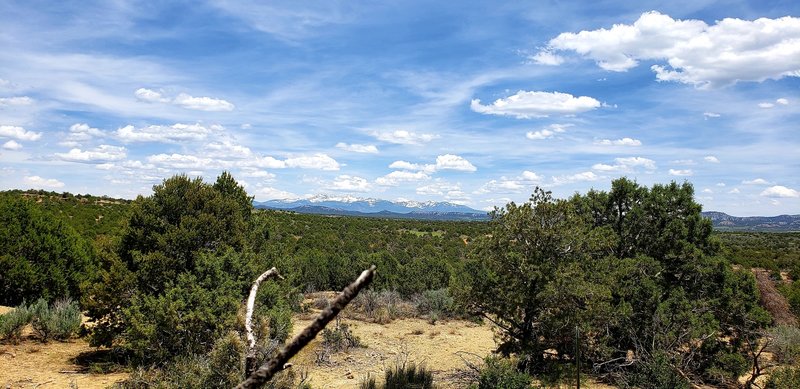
(33, 364)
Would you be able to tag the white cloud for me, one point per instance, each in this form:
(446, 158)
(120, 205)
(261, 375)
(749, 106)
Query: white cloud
(708, 115)
(720, 184)
(12, 145)
(628, 164)
(185, 100)
(202, 103)
(15, 101)
(729, 51)
(175, 133)
(350, 184)
(443, 162)
(150, 96)
(19, 133)
(39, 182)
(80, 132)
(524, 105)
(404, 137)
(511, 185)
(357, 148)
(578, 177)
(182, 161)
(269, 193)
(707, 190)
(782, 101)
(547, 57)
(711, 159)
(734, 191)
(619, 142)
(454, 162)
(780, 191)
(548, 132)
(102, 153)
(317, 161)
(680, 172)
(757, 181)
(256, 173)
(446, 189)
(766, 105)
(396, 177)
(227, 149)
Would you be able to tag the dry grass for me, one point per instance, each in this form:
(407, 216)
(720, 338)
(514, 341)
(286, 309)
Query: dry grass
(772, 300)
(51, 365)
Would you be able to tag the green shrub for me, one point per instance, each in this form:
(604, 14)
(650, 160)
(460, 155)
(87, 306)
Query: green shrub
(654, 372)
(408, 376)
(502, 374)
(340, 338)
(437, 302)
(13, 322)
(60, 321)
(784, 378)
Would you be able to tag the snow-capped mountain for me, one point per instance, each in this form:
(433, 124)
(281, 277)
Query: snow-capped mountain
(325, 204)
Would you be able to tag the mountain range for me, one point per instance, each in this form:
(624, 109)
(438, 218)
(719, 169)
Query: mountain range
(724, 222)
(433, 210)
(370, 207)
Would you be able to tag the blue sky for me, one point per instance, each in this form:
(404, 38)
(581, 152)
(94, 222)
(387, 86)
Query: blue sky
(469, 102)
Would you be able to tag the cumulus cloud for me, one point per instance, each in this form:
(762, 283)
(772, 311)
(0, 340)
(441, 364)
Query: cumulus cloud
(681, 172)
(548, 132)
(102, 153)
(185, 100)
(734, 191)
(577, 177)
(780, 101)
(627, 164)
(357, 148)
(780, 191)
(18, 133)
(227, 149)
(692, 52)
(12, 145)
(15, 101)
(403, 137)
(175, 133)
(202, 103)
(525, 105)
(150, 96)
(317, 161)
(80, 132)
(269, 193)
(619, 142)
(350, 184)
(757, 181)
(710, 115)
(183, 161)
(39, 182)
(511, 184)
(443, 162)
(256, 173)
(454, 162)
(396, 177)
(445, 189)
(711, 159)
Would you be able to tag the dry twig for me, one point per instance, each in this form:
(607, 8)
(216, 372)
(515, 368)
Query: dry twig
(275, 364)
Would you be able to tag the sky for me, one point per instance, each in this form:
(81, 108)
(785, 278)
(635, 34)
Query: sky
(474, 103)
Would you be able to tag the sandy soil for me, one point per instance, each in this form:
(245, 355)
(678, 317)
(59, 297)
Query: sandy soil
(32, 364)
(412, 340)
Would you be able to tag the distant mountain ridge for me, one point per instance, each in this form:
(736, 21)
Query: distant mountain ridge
(782, 223)
(370, 207)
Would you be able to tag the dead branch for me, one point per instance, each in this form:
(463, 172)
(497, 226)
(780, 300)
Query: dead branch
(250, 359)
(275, 364)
